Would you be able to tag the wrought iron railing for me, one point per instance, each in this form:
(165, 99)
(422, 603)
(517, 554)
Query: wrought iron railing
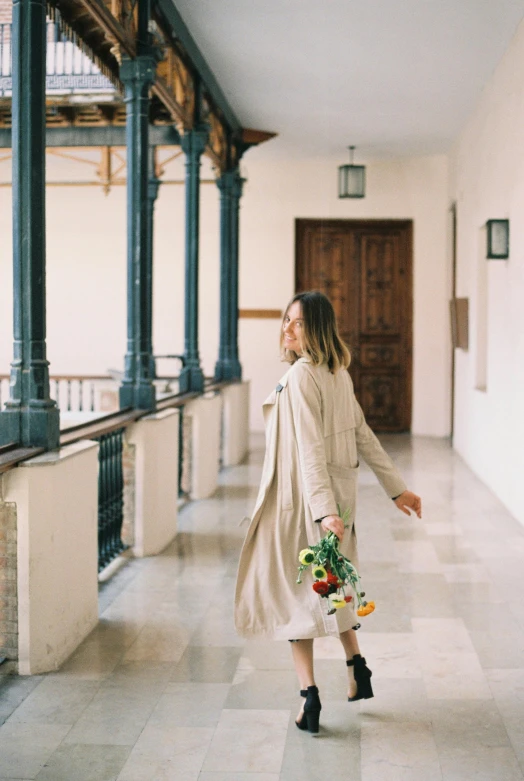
(110, 497)
(68, 69)
(109, 431)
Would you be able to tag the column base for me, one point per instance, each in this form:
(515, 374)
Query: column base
(228, 369)
(191, 379)
(30, 427)
(141, 396)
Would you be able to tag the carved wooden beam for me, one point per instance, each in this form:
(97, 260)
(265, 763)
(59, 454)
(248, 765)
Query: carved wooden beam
(108, 29)
(114, 30)
(166, 96)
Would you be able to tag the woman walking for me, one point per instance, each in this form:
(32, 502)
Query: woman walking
(315, 435)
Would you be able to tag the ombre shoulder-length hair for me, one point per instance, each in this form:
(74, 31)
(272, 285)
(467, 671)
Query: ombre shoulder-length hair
(321, 340)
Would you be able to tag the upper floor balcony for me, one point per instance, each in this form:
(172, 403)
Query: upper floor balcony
(69, 71)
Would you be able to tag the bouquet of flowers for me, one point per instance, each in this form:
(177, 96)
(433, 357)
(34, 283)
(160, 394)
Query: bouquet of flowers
(333, 573)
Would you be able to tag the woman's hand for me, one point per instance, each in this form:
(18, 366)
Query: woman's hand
(409, 501)
(333, 523)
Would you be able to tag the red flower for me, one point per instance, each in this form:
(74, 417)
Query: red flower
(348, 599)
(321, 587)
(332, 579)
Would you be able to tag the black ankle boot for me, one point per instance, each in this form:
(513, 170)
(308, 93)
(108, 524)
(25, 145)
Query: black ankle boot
(312, 708)
(362, 678)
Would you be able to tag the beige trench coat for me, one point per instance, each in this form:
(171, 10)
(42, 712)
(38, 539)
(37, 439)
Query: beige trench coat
(315, 434)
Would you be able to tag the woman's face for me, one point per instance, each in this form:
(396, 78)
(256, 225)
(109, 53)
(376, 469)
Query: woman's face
(293, 328)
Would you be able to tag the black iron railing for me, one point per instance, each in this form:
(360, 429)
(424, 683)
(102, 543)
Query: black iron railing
(110, 497)
(109, 431)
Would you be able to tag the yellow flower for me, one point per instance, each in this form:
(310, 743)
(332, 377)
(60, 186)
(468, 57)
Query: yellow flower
(337, 600)
(306, 556)
(319, 573)
(366, 609)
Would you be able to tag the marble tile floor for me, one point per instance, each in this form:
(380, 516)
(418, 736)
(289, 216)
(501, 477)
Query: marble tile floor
(164, 690)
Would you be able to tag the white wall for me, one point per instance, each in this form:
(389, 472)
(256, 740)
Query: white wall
(276, 193)
(487, 181)
(86, 271)
(86, 251)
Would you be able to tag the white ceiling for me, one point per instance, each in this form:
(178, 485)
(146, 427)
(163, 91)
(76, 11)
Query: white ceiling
(394, 77)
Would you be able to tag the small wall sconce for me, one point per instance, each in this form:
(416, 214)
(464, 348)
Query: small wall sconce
(351, 179)
(497, 232)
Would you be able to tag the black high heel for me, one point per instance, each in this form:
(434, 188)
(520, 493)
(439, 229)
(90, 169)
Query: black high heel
(302, 724)
(312, 707)
(362, 678)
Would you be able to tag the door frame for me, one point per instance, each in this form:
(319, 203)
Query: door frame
(407, 317)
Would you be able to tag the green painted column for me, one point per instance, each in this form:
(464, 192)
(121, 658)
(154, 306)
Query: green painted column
(235, 263)
(228, 366)
(137, 389)
(193, 143)
(31, 417)
(152, 194)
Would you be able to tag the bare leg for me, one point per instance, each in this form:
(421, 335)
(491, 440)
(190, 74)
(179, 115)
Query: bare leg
(302, 651)
(350, 643)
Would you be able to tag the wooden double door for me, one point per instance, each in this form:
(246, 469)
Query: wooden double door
(365, 269)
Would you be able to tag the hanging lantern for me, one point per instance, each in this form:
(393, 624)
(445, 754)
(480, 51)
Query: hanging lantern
(351, 179)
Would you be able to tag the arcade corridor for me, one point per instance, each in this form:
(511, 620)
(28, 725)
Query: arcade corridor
(164, 690)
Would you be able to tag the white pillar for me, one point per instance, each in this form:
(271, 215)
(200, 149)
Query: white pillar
(205, 413)
(56, 498)
(235, 436)
(155, 439)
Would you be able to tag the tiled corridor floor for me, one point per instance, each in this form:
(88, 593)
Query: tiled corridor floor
(164, 690)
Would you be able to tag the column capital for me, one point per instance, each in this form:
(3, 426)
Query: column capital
(153, 187)
(193, 142)
(238, 185)
(226, 181)
(231, 183)
(140, 71)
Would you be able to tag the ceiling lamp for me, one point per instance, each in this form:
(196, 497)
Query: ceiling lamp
(351, 179)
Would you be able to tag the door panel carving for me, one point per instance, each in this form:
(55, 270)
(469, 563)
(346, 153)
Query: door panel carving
(379, 269)
(380, 355)
(364, 267)
(380, 393)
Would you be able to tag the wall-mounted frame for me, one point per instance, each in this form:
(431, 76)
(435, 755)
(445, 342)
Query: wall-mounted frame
(459, 311)
(497, 233)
